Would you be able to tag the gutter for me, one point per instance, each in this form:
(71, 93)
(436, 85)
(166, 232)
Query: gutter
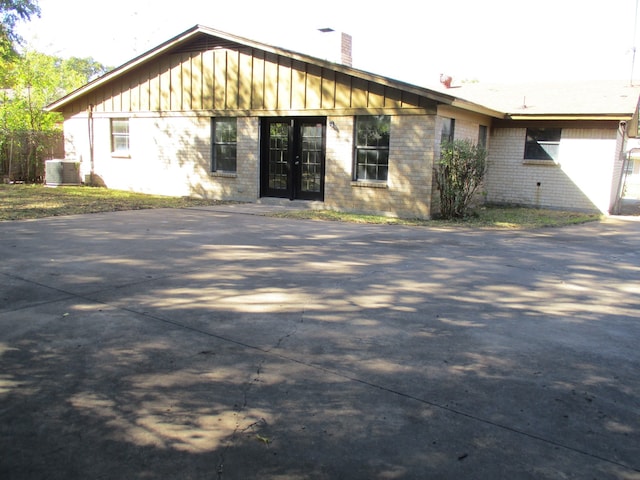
(569, 116)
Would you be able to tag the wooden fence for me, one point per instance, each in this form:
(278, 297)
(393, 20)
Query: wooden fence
(23, 154)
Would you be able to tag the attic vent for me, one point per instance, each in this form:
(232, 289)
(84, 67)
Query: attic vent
(62, 172)
(207, 42)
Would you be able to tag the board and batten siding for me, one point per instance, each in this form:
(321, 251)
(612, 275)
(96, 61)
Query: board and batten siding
(247, 81)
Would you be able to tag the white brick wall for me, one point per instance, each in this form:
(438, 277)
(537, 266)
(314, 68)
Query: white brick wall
(171, 156)
(578, 180)
(168, 156)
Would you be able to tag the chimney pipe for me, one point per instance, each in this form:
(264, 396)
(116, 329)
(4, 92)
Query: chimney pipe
(338, 46)
(345, 49)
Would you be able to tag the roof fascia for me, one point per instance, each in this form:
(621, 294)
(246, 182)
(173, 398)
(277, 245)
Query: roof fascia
(593, 116)
(124, 68)
(197, 29)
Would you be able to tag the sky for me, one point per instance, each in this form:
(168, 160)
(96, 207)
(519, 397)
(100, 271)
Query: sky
(489, 41)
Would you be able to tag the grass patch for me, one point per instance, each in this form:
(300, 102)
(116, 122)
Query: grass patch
(497, 217)
(24, 201)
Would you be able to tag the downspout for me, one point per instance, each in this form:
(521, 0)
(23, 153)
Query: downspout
(615, 209)
(91, 162)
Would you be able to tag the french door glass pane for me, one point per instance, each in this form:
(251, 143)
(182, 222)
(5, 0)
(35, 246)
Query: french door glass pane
(278, 155)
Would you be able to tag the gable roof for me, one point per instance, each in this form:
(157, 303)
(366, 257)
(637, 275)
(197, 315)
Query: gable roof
(201, 37)
(582, 100)
(586, 100)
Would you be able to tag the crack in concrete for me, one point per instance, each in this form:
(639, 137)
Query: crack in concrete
(248, 385)
(270, 351)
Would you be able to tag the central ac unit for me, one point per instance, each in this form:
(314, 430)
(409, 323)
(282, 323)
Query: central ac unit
(62, 172)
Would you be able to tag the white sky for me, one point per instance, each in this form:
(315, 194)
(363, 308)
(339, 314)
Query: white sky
(409, 40)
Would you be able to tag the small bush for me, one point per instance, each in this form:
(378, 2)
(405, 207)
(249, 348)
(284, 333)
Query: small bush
(458, 175)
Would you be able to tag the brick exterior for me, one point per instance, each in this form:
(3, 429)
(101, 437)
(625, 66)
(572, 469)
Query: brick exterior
(168, 156)
(171, 93)
(171, 156)
(407, 191)
(578, 180)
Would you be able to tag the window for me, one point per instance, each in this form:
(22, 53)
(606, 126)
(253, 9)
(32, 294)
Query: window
(542, 144)
(372, 148)
(120, 136)
(448, 130)
(482, 136)
(225, 139)
(629, 166)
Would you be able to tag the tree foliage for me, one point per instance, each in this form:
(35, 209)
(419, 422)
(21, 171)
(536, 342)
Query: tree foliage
(12, 12)
(36, 80)
(458, 175)
(29, 134)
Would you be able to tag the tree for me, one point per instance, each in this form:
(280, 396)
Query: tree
(12, 12)
(458, 175)
(26, 130)
(35, 80)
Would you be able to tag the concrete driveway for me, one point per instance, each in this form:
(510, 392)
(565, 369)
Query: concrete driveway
(222, 344)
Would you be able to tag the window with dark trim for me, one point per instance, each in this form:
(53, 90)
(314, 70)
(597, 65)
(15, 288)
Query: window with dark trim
(224, 149)
(542, 144)
(120, 136)
(372, 148)
(482, 136)
(448, 130)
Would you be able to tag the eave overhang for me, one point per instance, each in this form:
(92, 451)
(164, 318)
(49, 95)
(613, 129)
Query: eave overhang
(190, 34)
(573, 117)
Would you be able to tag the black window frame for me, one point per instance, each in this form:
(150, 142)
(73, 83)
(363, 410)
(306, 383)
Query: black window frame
(224, 149)
(372, 138)
(448, 130)
(483, 136)
(542, 144)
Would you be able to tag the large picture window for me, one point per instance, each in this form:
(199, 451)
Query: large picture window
(372, 148)
(542, 144)
(120, 136)
(225, 140)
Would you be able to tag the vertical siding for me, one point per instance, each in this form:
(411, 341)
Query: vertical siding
(328, 89)
(219, 79)
(208, 71)
(343, 91)
(165, 85)
(176, 88)
(196, 81)
(186, 80)
(154, 88)
(233, 78)
(375, 95)
(284, 85)
(270, 81)
(223, 79)
(257, 80)
(314, 87)
(245, 66)
(298, 86)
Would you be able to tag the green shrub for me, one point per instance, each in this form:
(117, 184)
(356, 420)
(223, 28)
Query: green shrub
(458, 175)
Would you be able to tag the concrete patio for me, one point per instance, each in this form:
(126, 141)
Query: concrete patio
(219, 343)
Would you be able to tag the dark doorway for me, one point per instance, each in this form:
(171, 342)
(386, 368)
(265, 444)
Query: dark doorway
(292, 158)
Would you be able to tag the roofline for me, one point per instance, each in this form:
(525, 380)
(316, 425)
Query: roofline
(122, 69)
(569, 116)
(169, 44)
